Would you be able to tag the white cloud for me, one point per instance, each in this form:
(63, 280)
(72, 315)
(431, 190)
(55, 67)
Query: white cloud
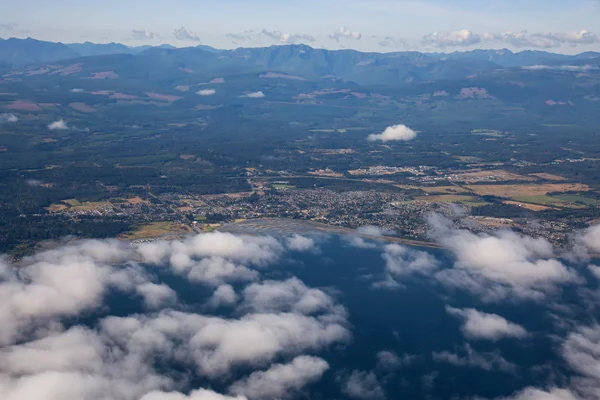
(143, 35)
(58, 125)
(531, 393)
(77, 90)
(543, 40)
(463, 37)
(290, 296)
(185, 34)
(479, 325)
(223, 296)
(595, 270)
(8, 118)
(574, 68)
(156, 295)
(362, 385)
(55, 283)
(254, 95)
(300, 243)
(402, 261)
(117, 357)
(370, 230)
(344, 33)
(591, 238)
(388, 360)
(281, 380)
(488, 361)
(287, 38)
(520, 262)
(581, 350)
(206, 92)
(393, 133)
(214, 258)
(358, 242)
(201, 394)
(393, 43)
(216, 345)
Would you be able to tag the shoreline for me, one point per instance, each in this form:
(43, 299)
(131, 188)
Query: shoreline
(279, 225)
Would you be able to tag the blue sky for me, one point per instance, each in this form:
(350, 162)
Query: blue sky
(568, 26)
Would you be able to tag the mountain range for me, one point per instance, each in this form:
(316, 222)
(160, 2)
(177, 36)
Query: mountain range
(299, 60)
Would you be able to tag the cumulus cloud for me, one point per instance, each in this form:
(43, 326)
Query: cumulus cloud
(362, 385)
(223, 296)
(143, 34)
(201, 394)
(531, 393)
(394, 133)
(214, 258)
(590, 238)
(118, 357)
(480, 325)
(300, 243)
(463, 37)
(522, 263)
(281, 380)
(402, 261)
(254, 95)
(290, 296)
(8, 118)
(216, 345)
(58, 125)
(488, 361)
(287, 38)
(345, 33)
(581, 350)
(156, 295)
(206, 92)
(56, 283)
(185, 34)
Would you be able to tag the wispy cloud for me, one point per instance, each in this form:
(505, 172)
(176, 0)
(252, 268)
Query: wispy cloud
(287, 38)
(61, 124)
(345, 33)
(463, 37)
(8, 118)
(470, 357)
(143, 35)
(392, 42)
(254, 95)
(186, 34)
(520, 39)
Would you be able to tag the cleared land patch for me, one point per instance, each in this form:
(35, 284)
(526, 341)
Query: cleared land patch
(156, 229)
(514, 191)
(550, 177)
(493, 175)
(448, 198)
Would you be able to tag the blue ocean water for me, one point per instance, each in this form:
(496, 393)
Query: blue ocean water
(410, 320)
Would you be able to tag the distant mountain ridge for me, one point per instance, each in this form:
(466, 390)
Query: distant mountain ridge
(350, 65)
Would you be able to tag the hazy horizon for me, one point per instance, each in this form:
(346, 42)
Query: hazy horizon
(379, 25)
